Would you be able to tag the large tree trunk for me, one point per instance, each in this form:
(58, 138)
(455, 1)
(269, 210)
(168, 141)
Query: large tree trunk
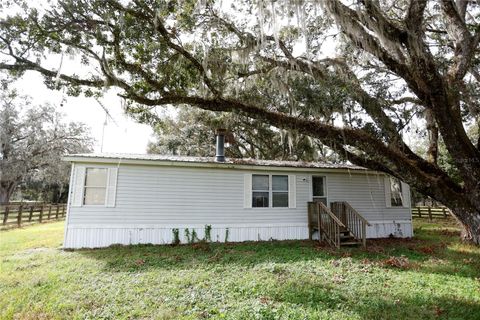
(470, 222)
(432, 152)
(6, 191)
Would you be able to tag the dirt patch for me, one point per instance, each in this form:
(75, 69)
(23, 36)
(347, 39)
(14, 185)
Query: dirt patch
(401, 262)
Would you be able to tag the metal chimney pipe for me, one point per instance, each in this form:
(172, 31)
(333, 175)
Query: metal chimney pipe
(220, 148)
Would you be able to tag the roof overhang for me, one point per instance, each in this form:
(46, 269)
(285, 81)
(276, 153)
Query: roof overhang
(109, 160)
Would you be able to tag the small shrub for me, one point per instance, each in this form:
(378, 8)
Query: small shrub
(194, 236)
(176, 236)
(188, 236)
(208, 233)
(227, 233)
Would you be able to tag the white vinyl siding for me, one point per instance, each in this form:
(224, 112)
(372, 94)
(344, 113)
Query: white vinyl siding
(247, 190)
(149, 195)
(148, 201)
(366, 193)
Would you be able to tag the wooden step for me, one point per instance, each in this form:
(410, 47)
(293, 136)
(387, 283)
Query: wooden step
(350, 243)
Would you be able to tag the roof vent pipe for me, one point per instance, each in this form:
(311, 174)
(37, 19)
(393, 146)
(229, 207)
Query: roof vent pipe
(220, 149)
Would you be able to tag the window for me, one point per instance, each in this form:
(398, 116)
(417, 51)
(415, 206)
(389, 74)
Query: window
(95, 186)
(280, 191)
(318, 190)
(396, 193)
(269, 191)
(260, 190)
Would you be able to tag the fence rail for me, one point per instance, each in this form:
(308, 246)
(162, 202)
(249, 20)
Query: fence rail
(430, 212)
(16, 215)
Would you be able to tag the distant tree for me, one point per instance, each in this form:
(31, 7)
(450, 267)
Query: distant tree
(191, 132)
(32, 141)
(394, 61)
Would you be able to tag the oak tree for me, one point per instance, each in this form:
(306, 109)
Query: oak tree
(33, 140)
(393, 63)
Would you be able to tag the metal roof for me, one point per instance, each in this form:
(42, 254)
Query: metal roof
(118, 157)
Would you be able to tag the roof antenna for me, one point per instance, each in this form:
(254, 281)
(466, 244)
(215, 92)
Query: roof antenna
(103, 132)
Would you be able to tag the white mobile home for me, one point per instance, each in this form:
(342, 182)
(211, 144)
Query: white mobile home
(132, 199)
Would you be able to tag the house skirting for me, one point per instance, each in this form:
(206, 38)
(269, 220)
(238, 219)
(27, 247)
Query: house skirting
(385, 229)
(97, 236)
(104, 236)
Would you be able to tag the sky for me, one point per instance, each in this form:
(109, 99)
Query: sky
(123, 135)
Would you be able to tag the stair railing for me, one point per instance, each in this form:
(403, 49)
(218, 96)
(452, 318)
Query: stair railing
(355, 222)
(328, 224)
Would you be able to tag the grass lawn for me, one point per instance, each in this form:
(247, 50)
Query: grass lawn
(433, 276)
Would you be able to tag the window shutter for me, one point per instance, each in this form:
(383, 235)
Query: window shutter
(78, 184)
(111, 187)
(247, 201)
(388, 196)
(292, 191)
(405, 195)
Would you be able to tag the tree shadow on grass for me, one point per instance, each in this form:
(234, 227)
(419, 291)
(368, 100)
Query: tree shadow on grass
(386, 305)
(411, 255)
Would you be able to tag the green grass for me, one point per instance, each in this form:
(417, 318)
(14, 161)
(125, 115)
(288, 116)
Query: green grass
(434, 276)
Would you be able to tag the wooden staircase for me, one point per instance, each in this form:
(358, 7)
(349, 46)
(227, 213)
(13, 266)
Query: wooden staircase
(341, 226)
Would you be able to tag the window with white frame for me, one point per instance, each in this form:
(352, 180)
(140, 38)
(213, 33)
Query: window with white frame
(95, 188)
(396, 198)
(280, 191)
(260, 191)
(269, 191)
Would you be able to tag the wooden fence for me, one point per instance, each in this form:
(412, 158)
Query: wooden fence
(16, 215)
(430, 212)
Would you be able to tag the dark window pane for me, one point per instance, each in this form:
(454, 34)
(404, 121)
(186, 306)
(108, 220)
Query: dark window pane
(280, 183)
(397, 202)
(280, 199)
(259, 182)
(259, 199)
(317, 184)
(396, 192)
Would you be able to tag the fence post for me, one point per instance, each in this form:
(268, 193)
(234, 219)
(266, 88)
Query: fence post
(41, 211)
(419, 212)
(19, 216)
(49, 211)
(56, 213)
(430, 213)
(30, 216)
(41, 216)
(5, 217)
(444, 212)
(64, 211)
